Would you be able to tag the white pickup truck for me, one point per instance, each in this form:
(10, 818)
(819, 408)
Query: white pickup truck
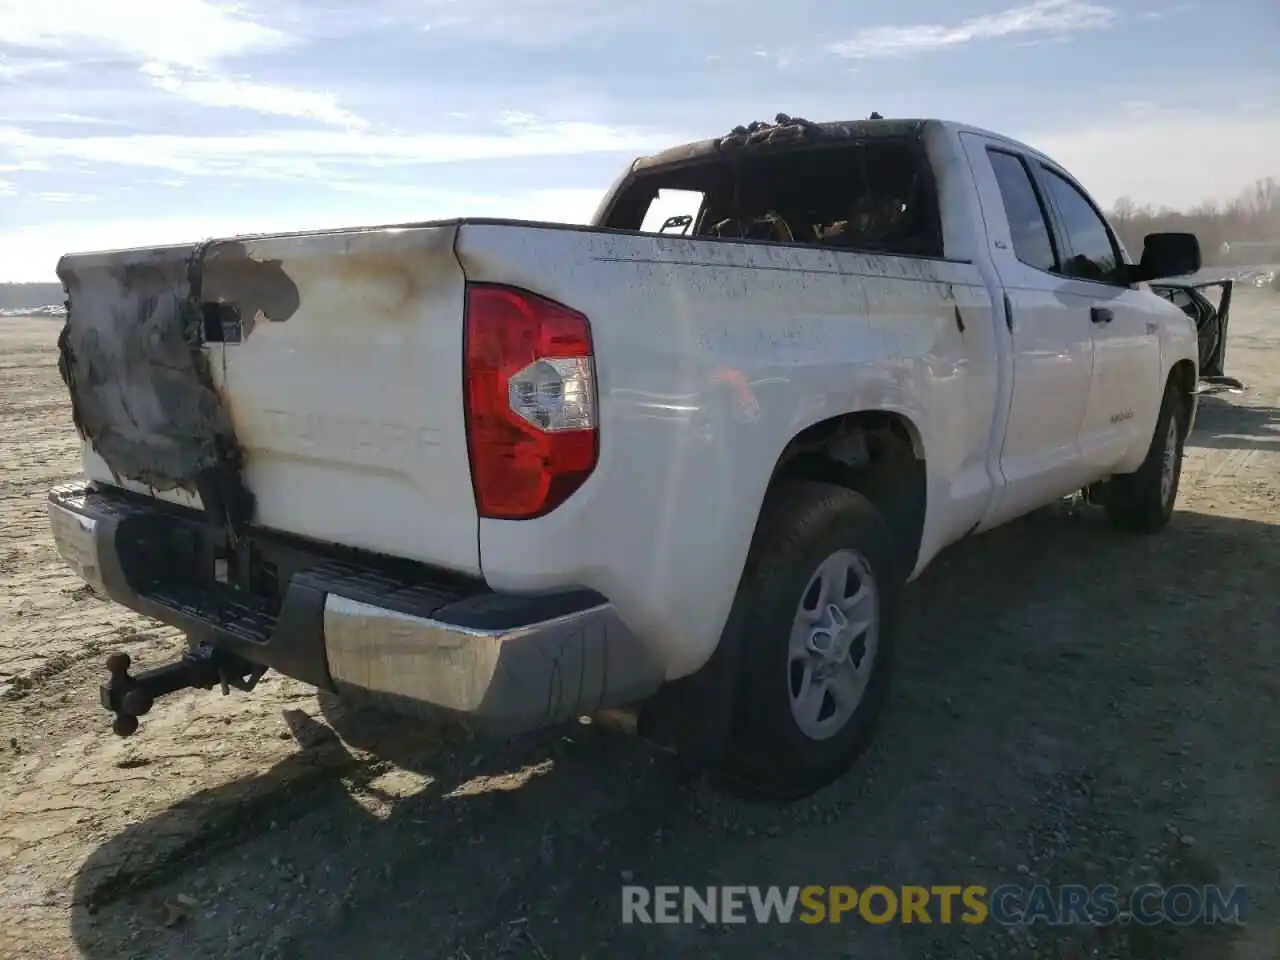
(682, 460)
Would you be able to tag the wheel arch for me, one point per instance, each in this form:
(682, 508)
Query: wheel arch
(879, 453)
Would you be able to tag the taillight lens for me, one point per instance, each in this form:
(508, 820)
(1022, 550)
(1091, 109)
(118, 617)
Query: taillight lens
(532, 430)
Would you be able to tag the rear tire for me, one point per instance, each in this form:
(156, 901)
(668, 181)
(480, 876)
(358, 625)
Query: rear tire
(817, 613)
(1143, 501)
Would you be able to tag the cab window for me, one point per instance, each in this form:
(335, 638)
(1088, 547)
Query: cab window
(1092, 252)
(1028, 225)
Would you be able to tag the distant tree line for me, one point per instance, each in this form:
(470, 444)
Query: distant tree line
(30, 296)
(1249, 225)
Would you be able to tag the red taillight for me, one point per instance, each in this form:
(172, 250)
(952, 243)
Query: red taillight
(531, 401)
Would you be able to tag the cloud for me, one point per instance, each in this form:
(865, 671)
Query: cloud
(179, 43)
(192, 32)
(323, 153)
(1044, 17)
(55, 196)
(1167, 11)
(11, 69)
(21, 117)
(525, 24)
(210, 90)
(515, 24)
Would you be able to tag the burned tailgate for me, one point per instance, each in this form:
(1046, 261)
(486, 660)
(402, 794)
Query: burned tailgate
(132, 356)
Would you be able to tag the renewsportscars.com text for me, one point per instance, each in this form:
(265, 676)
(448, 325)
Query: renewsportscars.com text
(1006, 905)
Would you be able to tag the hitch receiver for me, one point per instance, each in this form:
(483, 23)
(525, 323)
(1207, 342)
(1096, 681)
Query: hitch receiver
(132, 696)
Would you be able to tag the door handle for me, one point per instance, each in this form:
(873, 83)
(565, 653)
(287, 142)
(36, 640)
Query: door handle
(1101, 315)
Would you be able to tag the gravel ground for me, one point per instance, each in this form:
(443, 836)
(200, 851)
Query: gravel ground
(1072, 706)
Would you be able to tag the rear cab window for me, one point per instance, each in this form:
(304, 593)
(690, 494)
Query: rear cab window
(874, 194)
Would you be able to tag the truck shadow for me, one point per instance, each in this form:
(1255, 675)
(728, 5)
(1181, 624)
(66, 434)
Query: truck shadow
(1045, 653)
(1223, 425)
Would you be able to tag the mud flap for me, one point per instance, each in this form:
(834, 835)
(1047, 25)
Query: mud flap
(142, 393)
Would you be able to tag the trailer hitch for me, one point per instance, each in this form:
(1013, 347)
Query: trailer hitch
(130, 696)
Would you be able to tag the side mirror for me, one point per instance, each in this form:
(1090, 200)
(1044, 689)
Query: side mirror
(1167, 255)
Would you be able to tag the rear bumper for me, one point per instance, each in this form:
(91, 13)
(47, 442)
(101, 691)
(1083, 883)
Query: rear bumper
(420, 641)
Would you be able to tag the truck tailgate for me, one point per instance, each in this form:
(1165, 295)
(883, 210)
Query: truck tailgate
(310, 384)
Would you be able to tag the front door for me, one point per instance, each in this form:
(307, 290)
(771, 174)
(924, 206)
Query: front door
(1051, 343)
(1124, 399)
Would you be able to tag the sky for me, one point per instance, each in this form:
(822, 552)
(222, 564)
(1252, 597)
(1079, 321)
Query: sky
(137, 122)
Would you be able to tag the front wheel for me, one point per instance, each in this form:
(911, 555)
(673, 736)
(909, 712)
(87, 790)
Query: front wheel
(1143, 501)
(818, 615)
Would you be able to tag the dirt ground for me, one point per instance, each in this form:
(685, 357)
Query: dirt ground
(1072, 706)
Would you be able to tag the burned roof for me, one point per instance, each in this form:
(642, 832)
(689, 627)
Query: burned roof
(784, 130)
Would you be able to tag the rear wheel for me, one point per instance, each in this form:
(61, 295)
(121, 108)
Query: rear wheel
(1143, 501)
(818, 614)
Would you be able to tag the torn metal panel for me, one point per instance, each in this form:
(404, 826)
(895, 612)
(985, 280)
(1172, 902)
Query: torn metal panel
(784, 131)
(131, 354)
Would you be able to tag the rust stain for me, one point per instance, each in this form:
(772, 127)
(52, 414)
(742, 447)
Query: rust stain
(396, 280)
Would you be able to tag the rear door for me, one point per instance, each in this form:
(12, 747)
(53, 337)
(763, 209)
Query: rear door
(1051, 343)
(1125, 393)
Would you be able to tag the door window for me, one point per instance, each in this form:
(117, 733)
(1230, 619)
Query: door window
(1032, 241)
(1093, 254)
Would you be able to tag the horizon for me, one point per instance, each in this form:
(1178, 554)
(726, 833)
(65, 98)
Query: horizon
(207, 118)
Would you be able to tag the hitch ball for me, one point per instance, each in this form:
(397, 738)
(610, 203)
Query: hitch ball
(124, 697)
(135, 701)
(128, 697)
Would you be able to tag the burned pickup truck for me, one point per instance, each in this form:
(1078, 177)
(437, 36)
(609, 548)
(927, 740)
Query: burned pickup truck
(1211, 323)
(519, 472)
